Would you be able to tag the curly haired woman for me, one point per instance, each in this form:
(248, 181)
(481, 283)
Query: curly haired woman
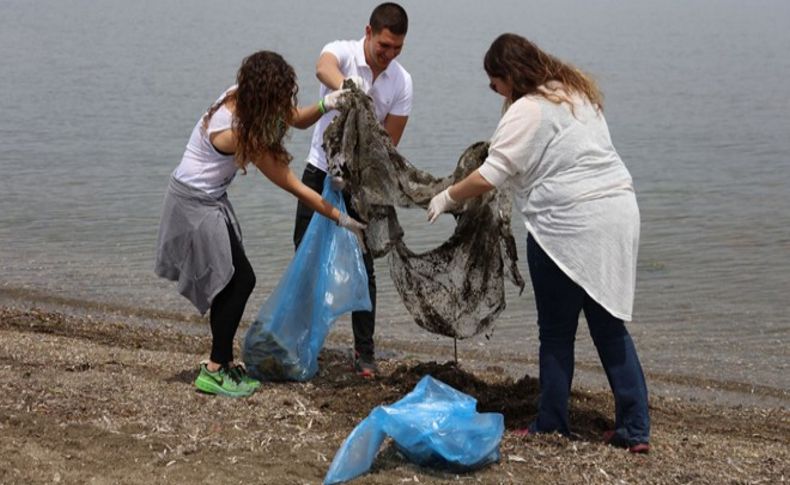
(200, 243)
(577, 198)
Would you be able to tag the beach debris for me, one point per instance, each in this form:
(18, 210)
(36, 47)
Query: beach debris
(456, 289)
(42, 344)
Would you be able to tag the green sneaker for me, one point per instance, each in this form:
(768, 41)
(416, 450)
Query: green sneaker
(240, 372)
(222, 382)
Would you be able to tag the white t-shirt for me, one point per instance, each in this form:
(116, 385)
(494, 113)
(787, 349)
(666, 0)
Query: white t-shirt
(574, 192)
(391, 92)
(202, 166)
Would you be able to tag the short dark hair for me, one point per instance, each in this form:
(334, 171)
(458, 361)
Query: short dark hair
(390, 16)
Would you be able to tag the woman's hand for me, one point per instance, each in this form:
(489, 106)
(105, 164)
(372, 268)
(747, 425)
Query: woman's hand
(353, 225)
(333, 99)
(472, 186)
(441, 202)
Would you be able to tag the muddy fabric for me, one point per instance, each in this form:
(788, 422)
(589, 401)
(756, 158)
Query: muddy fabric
(456, 289)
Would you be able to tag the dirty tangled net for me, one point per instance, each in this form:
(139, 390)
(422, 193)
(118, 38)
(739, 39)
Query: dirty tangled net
(456, 289)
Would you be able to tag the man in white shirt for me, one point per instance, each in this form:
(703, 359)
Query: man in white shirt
(370, 63)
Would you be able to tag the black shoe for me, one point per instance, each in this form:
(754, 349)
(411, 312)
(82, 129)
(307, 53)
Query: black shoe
(611, 438)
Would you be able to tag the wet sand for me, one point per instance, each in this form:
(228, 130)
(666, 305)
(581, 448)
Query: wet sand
(102, 397)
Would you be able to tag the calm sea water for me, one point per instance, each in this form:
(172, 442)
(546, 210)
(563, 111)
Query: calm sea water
(98, 100)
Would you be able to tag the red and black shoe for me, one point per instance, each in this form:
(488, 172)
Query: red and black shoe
(365, 366)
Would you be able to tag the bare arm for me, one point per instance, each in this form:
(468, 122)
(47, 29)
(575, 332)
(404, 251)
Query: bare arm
(395, 126)
(472, 186)
(280, 174)
(327, 70)
(305, 116)
(283, 177)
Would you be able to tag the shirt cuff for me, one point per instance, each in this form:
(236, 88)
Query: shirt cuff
(492, 171)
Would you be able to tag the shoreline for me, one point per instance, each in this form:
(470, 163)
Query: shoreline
(105, 398)
(588, 373)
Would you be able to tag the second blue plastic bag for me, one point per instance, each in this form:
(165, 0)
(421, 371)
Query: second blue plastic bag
(435, 425)
(325, 279)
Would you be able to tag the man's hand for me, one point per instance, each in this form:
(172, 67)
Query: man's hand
(360, 82)
(337, 182)
(353, 225)
(442, 202)
(334, 98)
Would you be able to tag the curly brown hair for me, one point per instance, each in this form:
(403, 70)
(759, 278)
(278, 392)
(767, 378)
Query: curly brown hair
(265, 97)
(513, 57)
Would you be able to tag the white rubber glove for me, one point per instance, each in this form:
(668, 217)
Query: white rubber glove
(337, 182)
(354, 226)
(334, 98)
(360, 82)
(441, 202)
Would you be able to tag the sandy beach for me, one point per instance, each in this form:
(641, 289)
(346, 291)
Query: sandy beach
(103, 399)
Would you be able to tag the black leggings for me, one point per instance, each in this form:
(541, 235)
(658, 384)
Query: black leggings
(228, 306)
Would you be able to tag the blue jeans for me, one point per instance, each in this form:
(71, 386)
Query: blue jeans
(559, 302)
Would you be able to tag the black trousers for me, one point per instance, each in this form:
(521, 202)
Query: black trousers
(227, 307)
(363, 323)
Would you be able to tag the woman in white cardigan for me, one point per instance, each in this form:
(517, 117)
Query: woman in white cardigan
(577, 198)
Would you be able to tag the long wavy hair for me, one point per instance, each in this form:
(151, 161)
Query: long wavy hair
(513, 57)
(264, 100)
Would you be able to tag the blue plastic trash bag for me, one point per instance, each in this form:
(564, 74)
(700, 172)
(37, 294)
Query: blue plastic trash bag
(434, 425)
(325, 279)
